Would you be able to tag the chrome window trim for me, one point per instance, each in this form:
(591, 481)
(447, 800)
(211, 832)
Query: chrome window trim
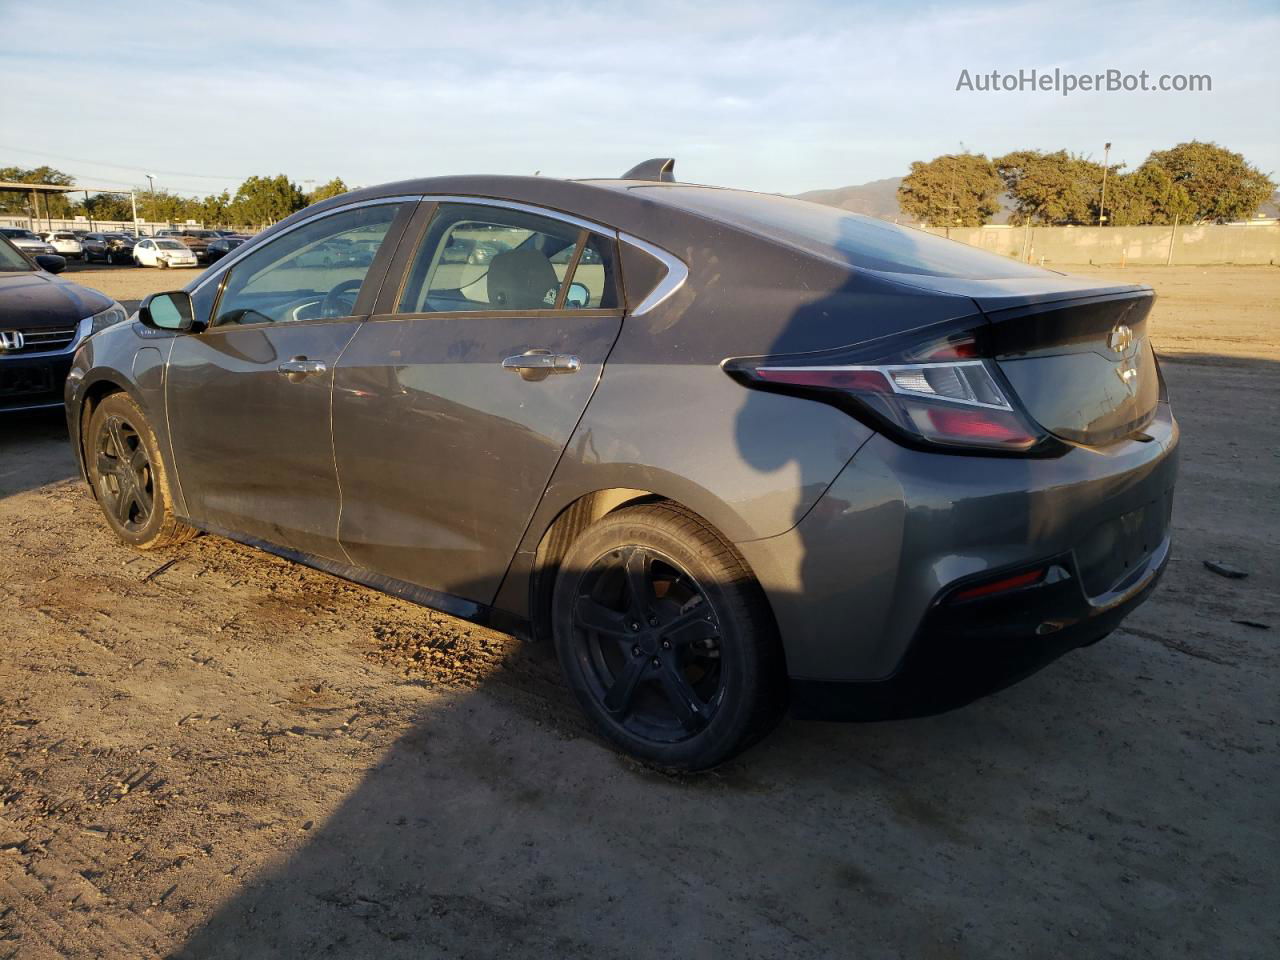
(524, 208)
(677, 273)
(231, 259)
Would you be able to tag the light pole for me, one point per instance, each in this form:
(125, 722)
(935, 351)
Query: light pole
(151, 194)
(1106, 162)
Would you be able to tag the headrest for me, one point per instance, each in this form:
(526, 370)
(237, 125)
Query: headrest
(522, 279)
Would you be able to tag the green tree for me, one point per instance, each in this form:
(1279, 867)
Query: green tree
(262, 201)
(214, 209)
(1051, 188)
(1220, 184)
(951, 190)
(333, 188)
(1148, 195)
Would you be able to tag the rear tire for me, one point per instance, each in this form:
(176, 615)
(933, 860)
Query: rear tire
(666, 639)
(129, 477)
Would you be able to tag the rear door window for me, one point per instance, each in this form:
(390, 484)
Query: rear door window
(478, 258)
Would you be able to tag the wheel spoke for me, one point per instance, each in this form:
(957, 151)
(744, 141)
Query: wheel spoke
(690, 709)
(619, 696)
(117, 440)
(639, 569)
(123, 505)
(138, 460)
(694, 624)
(107, 465)
(142, 497)
(595, 616)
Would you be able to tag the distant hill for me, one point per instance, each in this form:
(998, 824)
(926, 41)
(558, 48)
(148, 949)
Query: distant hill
(879, 198)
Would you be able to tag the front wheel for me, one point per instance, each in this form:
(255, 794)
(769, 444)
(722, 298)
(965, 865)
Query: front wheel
(128, 476)
(666, 638)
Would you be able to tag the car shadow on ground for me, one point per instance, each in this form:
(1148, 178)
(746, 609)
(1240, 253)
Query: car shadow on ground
(34, 450)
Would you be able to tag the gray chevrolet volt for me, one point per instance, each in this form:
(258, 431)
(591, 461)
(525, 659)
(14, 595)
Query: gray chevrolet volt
(730, 452)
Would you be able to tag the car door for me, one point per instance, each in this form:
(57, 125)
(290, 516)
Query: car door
(142, 253)
(453, 403)
(248, 397)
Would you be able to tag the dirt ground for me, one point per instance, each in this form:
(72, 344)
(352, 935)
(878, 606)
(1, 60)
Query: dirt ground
(214, 753)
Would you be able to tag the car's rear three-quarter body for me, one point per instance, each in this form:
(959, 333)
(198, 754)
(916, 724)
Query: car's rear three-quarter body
(726, 450)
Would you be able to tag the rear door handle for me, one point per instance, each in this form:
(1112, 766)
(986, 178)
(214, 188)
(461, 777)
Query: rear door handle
(299, 368)
(540, 364)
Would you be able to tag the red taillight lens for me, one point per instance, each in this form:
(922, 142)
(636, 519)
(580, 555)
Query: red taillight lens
(934, 388)
(998, 586)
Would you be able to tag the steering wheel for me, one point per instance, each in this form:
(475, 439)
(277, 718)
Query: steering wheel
(341, 300)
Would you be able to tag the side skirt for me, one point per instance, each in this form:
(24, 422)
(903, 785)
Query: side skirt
(463, 609)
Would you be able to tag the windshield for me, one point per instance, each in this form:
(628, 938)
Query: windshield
(11, 259)
(848, 237)
(18, 233)
(169, 245)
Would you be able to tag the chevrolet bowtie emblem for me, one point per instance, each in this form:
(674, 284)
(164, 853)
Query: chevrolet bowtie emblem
(1121, 338)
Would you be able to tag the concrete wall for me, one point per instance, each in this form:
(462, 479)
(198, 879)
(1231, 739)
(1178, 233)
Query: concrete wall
(1192, 244)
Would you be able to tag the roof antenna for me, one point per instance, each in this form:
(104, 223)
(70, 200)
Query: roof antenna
(661, 169)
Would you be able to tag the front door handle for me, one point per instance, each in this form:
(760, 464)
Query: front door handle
(299, 368)
(539, 364)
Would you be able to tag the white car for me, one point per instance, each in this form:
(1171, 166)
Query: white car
(66, 243)
(163, 252)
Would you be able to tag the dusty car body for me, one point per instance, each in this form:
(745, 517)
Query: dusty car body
(765, 451)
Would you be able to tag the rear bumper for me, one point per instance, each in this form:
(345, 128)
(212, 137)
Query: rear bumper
(856, 585)
(968, 650)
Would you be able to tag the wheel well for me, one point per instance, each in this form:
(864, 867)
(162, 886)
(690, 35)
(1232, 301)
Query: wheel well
(566, 528)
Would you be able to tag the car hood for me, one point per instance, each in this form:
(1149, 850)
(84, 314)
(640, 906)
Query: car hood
(28, 241)
(32, 300)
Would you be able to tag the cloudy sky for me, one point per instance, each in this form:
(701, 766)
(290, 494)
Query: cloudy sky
(783, 96)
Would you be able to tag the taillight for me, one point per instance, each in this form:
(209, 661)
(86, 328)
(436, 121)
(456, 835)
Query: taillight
(931, 389)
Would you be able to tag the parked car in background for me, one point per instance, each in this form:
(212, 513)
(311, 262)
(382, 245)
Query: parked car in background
(223, 245)
(196, 240)
(43, 319)
(66, 243)
(27, 241)
(163, 252)
(751, 451)
(110, 247)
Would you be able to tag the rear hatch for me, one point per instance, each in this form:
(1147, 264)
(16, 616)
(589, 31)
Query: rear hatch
(1083, 368)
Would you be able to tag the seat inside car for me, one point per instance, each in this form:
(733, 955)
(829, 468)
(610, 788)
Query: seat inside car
(522, 279)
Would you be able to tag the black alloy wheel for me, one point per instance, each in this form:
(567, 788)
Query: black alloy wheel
(649, 643)
(665, 637)
(126, 481)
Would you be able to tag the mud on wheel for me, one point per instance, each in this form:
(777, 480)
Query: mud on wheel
(128, 476)
(666, 639)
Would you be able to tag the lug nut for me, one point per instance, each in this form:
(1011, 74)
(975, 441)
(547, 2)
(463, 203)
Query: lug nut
(653, 621)
(634, 626)
(635, 651)
(666, 644)
(655, 661)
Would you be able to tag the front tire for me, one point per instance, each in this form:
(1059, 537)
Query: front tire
(666, 638)
(129, 477)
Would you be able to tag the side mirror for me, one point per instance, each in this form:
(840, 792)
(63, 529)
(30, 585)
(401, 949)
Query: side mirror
(577, 297)
(51, 262)
(168, 311)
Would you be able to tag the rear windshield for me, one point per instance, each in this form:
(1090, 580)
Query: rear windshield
(854, 239)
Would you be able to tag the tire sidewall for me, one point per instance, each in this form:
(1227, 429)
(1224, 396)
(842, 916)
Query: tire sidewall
(739, 640)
